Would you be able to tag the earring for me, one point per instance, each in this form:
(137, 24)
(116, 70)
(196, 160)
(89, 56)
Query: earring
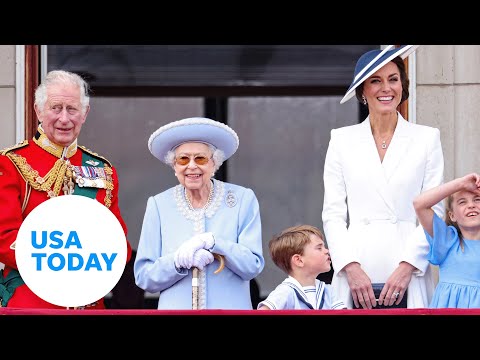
(175, 174)
(364, 100)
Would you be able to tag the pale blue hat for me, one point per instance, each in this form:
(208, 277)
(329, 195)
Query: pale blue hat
(372, 61)
(194, 129)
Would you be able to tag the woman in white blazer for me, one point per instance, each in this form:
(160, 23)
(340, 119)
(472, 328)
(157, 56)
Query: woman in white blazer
(373, 171)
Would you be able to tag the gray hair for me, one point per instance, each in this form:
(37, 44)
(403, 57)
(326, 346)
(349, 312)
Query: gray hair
(218, 157)
(62, 77)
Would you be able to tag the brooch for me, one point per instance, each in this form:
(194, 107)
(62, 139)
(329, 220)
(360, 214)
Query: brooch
(230, 199)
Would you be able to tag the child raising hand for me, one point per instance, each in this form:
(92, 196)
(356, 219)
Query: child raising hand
(455, 241)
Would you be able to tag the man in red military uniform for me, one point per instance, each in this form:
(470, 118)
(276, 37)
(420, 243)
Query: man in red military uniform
(51, 164)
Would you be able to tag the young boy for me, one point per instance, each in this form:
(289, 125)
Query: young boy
(301, 253)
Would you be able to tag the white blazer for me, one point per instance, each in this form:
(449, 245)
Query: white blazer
(368, 214)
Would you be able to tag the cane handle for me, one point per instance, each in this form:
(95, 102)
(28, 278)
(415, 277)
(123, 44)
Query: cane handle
(221, 259)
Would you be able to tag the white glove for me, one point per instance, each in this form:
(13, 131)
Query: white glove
(209, 240)
(202, 258)
(184, 254)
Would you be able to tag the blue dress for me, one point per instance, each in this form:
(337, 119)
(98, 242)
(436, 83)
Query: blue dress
(233, 217)
(459, 275)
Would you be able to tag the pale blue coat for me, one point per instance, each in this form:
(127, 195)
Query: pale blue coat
(234, 219)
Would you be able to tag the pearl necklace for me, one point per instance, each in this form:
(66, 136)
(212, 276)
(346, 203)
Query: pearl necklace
(209, 200)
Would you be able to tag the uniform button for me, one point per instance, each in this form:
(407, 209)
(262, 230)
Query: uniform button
(393, 219)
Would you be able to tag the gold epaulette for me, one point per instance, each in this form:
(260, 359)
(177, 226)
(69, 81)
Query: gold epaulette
(16, 146)
(94, 154)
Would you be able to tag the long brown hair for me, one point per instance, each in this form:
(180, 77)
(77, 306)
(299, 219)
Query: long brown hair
(448, 221)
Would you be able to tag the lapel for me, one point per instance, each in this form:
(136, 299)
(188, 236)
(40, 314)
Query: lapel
(398, 147)
(381, 172)
(319, 292)
(373, 167)
(295, 285)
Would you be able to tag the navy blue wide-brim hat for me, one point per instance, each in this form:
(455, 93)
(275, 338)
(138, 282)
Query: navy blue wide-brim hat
(195, 129)
(372, 61)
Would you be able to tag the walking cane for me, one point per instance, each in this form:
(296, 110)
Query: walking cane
(195, 285)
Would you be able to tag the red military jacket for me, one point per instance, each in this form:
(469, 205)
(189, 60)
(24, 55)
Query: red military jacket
(27, 175)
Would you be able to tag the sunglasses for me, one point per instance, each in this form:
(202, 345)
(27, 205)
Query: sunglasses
(199, 160)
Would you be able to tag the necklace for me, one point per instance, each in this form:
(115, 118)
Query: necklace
(384, 144)
(209, 200)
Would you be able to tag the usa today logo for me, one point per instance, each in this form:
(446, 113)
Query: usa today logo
(71, 251)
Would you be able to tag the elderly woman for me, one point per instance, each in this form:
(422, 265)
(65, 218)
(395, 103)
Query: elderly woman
(373, 171)
(186, 225)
